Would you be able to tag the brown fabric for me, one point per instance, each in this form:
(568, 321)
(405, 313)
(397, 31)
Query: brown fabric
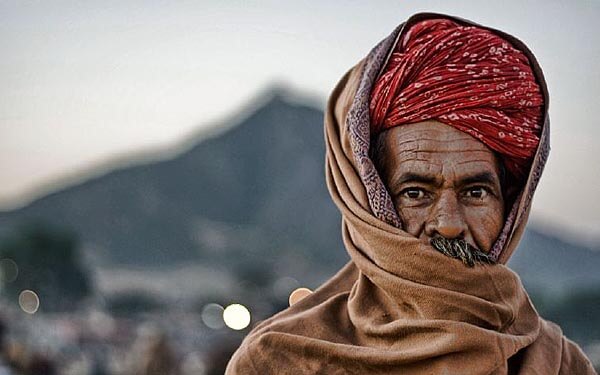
(399, 307)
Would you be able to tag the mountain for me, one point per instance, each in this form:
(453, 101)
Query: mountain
(546, 262)
(258, 188)
(251, 199)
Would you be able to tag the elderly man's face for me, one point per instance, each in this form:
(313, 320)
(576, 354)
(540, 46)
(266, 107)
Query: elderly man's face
(443, 182)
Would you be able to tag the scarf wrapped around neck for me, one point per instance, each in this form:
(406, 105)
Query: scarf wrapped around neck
(398, 306)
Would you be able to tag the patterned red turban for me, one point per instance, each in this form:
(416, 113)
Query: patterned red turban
(466, 77)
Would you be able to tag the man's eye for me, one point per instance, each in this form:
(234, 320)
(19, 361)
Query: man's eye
(413, 193)
(478, 192)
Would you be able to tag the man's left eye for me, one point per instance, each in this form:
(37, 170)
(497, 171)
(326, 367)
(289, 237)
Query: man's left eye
(477, 192)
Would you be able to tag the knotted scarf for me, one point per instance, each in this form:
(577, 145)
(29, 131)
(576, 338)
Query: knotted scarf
(399, 307)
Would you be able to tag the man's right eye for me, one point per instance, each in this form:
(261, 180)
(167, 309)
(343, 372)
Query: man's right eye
(413, 193)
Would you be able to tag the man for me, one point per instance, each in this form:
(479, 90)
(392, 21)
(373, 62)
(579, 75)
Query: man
(435, 144)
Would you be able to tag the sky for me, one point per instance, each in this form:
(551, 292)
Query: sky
(84, 83)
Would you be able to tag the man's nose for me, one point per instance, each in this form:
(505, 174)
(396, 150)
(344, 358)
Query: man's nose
(446, 218)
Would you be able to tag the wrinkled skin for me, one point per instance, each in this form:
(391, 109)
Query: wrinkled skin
(443, 182)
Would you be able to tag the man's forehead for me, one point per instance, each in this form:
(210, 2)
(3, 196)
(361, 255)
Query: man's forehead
(440, 165)
(434, 147)
(431, 136)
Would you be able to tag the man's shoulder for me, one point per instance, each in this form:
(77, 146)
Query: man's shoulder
(276, 343)
(572, 358)
(261, 352)
(243, 360)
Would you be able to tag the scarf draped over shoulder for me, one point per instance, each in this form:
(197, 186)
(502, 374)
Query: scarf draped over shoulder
(398, 306)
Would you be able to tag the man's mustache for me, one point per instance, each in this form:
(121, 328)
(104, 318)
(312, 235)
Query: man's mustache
(460, 249)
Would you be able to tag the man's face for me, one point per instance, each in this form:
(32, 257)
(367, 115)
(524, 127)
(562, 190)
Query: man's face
(443, 182)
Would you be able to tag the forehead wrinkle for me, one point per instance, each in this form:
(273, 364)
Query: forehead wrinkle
(428, 154)
(434, 145)
(458, 150)
(426, 140)
(409, 156)
(431, 131)
(443, 168)
(485, 161)
(431, 128)
(419, 165)
(433, 150)
(429, 161)
(419, 161)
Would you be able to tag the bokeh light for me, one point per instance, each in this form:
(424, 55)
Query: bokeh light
(212, 316)
(299, 294)
(29, 301)
(236, 316)
(8, 270)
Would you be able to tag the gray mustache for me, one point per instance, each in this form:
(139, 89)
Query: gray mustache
(460, 249)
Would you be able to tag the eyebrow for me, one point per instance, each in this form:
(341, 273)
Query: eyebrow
(482, 177)
(421, 178)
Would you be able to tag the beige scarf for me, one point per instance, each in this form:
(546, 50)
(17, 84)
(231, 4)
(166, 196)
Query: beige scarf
(399, 307)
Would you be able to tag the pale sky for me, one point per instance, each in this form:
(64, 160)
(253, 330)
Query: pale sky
(83, 82)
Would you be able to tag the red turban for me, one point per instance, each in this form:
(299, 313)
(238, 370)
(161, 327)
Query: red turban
(466, 77)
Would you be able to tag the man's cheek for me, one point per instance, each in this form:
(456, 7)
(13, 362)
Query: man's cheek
(486, 227)
(413, 220)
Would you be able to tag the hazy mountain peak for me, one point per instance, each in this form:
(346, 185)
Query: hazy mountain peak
(263, 177)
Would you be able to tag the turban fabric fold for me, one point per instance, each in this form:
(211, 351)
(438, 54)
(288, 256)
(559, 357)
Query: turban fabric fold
(466, 77)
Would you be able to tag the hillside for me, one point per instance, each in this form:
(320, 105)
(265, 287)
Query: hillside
(257, 188)
(252, 198)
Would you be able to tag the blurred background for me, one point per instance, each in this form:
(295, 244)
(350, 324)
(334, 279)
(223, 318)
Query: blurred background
(162, 172)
